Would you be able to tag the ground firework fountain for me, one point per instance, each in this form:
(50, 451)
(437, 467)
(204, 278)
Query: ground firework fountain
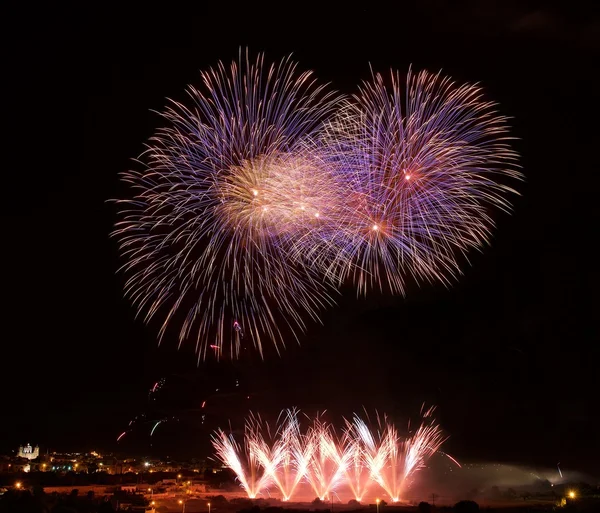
(321, 463)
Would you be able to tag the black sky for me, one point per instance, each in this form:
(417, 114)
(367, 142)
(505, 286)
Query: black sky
(509, 354)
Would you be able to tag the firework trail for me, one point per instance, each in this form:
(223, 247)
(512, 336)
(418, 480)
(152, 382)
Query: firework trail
(141, 420)
(289, 458)
(158, 385)
(205, 238)
(424, 165)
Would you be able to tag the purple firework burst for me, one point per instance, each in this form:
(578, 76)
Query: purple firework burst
(206, 236)
(422, 167)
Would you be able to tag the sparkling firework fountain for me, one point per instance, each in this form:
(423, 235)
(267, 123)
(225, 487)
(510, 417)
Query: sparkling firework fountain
(318, 459)
(327, 461)
(392, 460)
(356, 473)
(295, 456)
(252, 464)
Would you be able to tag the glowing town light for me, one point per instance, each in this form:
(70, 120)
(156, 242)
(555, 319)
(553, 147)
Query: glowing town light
(572, 494)
(18, 485)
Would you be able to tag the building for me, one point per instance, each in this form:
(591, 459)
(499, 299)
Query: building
(28, 452)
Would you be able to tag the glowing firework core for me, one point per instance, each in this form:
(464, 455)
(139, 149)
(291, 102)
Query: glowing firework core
(276, 195)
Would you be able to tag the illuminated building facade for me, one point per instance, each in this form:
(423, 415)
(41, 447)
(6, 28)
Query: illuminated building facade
(28, 452)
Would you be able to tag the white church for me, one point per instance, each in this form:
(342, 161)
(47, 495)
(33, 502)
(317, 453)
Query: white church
(26, 451)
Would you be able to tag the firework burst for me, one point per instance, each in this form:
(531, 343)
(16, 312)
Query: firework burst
(423, 166)
(223, 186)
(258, 201)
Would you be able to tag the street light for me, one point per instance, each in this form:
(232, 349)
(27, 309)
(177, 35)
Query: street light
(18, 485)
(377, 501)
(209, 507)
(182, 502)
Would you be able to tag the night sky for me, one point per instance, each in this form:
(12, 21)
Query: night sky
(509, 354)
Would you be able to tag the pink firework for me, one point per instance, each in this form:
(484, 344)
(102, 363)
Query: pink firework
(393, 460)
(318, 459)
(356, 472)
(325, 469)
(248, 463)
(290, 455)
